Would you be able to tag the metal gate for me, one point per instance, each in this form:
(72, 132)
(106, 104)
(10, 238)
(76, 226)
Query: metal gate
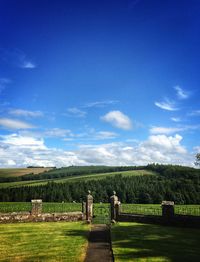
(101, 213)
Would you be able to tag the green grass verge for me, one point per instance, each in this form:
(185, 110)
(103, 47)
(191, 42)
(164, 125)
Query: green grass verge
(61, 241)
(144, 242)
(76, 178)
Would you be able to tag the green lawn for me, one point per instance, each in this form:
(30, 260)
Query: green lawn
(144, 242)
(61, 241)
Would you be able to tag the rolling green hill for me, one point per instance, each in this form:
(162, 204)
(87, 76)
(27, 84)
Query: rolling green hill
(74, 178)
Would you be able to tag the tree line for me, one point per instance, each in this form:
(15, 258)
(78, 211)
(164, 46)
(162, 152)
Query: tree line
(175, 183)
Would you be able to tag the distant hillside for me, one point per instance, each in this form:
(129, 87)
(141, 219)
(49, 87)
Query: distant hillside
(152, 184)
(18, 172)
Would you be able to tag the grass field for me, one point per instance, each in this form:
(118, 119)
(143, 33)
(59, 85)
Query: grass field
(155, 209)
(146, 209)
(144, 242)
(59, 241)
(76, 178)
(9, 207)
(12, 172)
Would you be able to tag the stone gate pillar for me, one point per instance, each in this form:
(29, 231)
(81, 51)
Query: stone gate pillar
(114, 207)
(36, 207)
(167, 210)
(89, 206)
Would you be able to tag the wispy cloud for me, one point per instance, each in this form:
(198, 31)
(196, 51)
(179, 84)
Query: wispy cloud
(118, 119)
(16, 57)
(165, 130)
(75, 112)
(176, 119)
(101, 103)
(8, 123)
(181, 94)
(3, 83)
(28, 64)
(167, 105)
(25, 113)
(171, 130)
(194, 113)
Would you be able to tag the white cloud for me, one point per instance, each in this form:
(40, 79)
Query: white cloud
(58, 132)
(23, 151)
(171, 130)
(75, 112)
(181, 94)
(105, 135)
(176, 119)
(165, 130)
(17, 58)
(28, 64)
(118, 119)
(25, 113)
(14, 124)
(100, 103)
(167, 105)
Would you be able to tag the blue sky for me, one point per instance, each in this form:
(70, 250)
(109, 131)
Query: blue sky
(99, 82)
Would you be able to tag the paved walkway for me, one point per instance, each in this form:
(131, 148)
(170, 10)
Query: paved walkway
(99, 248)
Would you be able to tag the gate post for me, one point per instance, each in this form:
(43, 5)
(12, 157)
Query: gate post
(114, 207)
(36, 207)
(89, 206)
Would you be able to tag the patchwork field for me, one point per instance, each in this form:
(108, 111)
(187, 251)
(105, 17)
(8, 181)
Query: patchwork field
(59, 241)
(15, 172)
(144, 242)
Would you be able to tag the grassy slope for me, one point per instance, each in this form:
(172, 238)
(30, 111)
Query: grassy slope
(43, 241)
(144, 242)
(76, 178)
(13, 172)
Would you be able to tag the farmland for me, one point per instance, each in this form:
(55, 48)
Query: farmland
(75, 178)
(144, 242)
(43, 241)
(16, 172)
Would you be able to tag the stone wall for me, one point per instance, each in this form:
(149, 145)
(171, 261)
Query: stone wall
(44, 217)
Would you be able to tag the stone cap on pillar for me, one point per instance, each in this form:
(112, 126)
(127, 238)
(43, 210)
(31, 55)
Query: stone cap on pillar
(114, 197)
(89, 196)
(36, 201)
(167, 203)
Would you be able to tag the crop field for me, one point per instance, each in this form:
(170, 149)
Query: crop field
(145, 242)
(75, 178)
(13, 172)
(50, 241)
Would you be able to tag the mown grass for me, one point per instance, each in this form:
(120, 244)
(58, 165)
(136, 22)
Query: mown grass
(155, 209)
(8, 207)
(144, 242)
(61, 241)
(76, 178)
(13, 172)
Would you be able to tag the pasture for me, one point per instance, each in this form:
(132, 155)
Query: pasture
(15, 172)
(59, 241)
(144, 242)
